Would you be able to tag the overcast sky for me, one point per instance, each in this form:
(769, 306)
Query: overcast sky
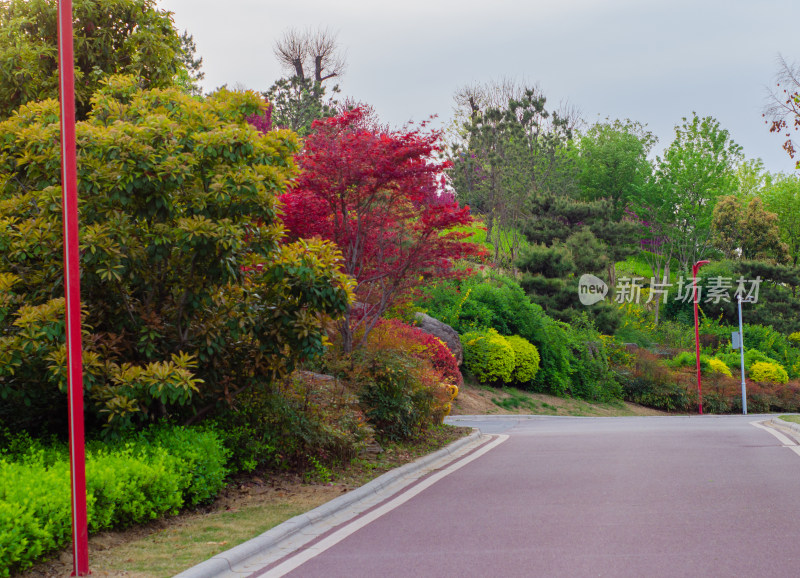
(654, 61)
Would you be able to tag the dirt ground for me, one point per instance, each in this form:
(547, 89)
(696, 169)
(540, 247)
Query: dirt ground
(474, 400)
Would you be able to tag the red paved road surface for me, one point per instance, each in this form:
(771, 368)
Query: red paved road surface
(665, 496)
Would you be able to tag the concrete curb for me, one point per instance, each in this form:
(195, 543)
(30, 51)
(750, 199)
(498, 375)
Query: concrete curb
(224, 563)
(793, 428)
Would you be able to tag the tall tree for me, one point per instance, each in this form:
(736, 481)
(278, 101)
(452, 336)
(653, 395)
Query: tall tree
(296, 103)
(613, 163)
(310, 54)
(697, 169)
(311, 57)
(745, 230)
(379, 196)
(111, 37)
(613, 166)
(510, 153)
(782, 197)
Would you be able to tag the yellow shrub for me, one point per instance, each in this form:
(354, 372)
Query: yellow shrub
(765, 371)
(718, 366)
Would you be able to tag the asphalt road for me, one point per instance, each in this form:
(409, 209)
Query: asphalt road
(649, 496)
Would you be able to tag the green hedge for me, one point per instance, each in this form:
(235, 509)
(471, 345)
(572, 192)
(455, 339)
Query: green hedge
(128, 482)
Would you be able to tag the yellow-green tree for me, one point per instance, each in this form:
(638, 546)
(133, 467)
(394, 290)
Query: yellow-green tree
(188, 293)
(111, 37)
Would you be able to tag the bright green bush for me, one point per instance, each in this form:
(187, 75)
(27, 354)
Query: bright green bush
(526, 359)
(764, 371)
(489, 356)
(707, 364)
(128, 482)
(129, 487)
(203, 456)
(774, 345)
(689, 359)
(752, 356)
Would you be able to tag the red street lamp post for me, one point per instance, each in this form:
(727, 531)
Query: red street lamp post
(72, 292)
(695, 268)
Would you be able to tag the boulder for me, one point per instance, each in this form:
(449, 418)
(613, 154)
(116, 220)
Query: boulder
(443, 331)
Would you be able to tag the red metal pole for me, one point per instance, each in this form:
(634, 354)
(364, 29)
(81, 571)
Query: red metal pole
(695, 267)
(72, 292)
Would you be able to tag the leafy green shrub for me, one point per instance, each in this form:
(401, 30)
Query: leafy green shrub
(203, 456)
(128, 482)
(775, 345)
(752, 356)
(526, 359)
(396, 398)
(129, 487)
(707, 364)
(795, 338)
(764, 371)
(686, 359)
(488, 355)
(592, 377)
(22, 536)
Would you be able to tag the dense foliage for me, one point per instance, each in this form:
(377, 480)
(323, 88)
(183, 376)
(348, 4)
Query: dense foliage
(111, 37)
(377, 194)
(151, 475)
(188, 294)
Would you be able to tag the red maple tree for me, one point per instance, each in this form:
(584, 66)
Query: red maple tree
(379, 195)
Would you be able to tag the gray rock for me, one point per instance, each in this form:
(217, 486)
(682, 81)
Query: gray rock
(443, 331)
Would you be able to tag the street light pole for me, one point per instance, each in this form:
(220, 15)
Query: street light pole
(695, 268)
(72, 292)
(741, 358)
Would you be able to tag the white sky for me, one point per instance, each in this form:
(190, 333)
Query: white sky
(654, 61)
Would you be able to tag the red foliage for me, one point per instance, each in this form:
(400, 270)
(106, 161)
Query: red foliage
(394, 334)
(378, 194)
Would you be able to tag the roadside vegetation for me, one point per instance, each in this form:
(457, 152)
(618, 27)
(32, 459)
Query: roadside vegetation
(254, 267)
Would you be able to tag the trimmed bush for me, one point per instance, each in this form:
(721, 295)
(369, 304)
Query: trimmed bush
(719, 366)
(128, 482)
(526, 359)
(489, 356)
(772, 372)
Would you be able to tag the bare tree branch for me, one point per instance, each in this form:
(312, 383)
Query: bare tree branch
(782, 112)
(317, 50)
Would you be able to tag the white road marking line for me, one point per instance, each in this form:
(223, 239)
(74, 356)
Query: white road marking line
(787, 443)
(304, 556)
